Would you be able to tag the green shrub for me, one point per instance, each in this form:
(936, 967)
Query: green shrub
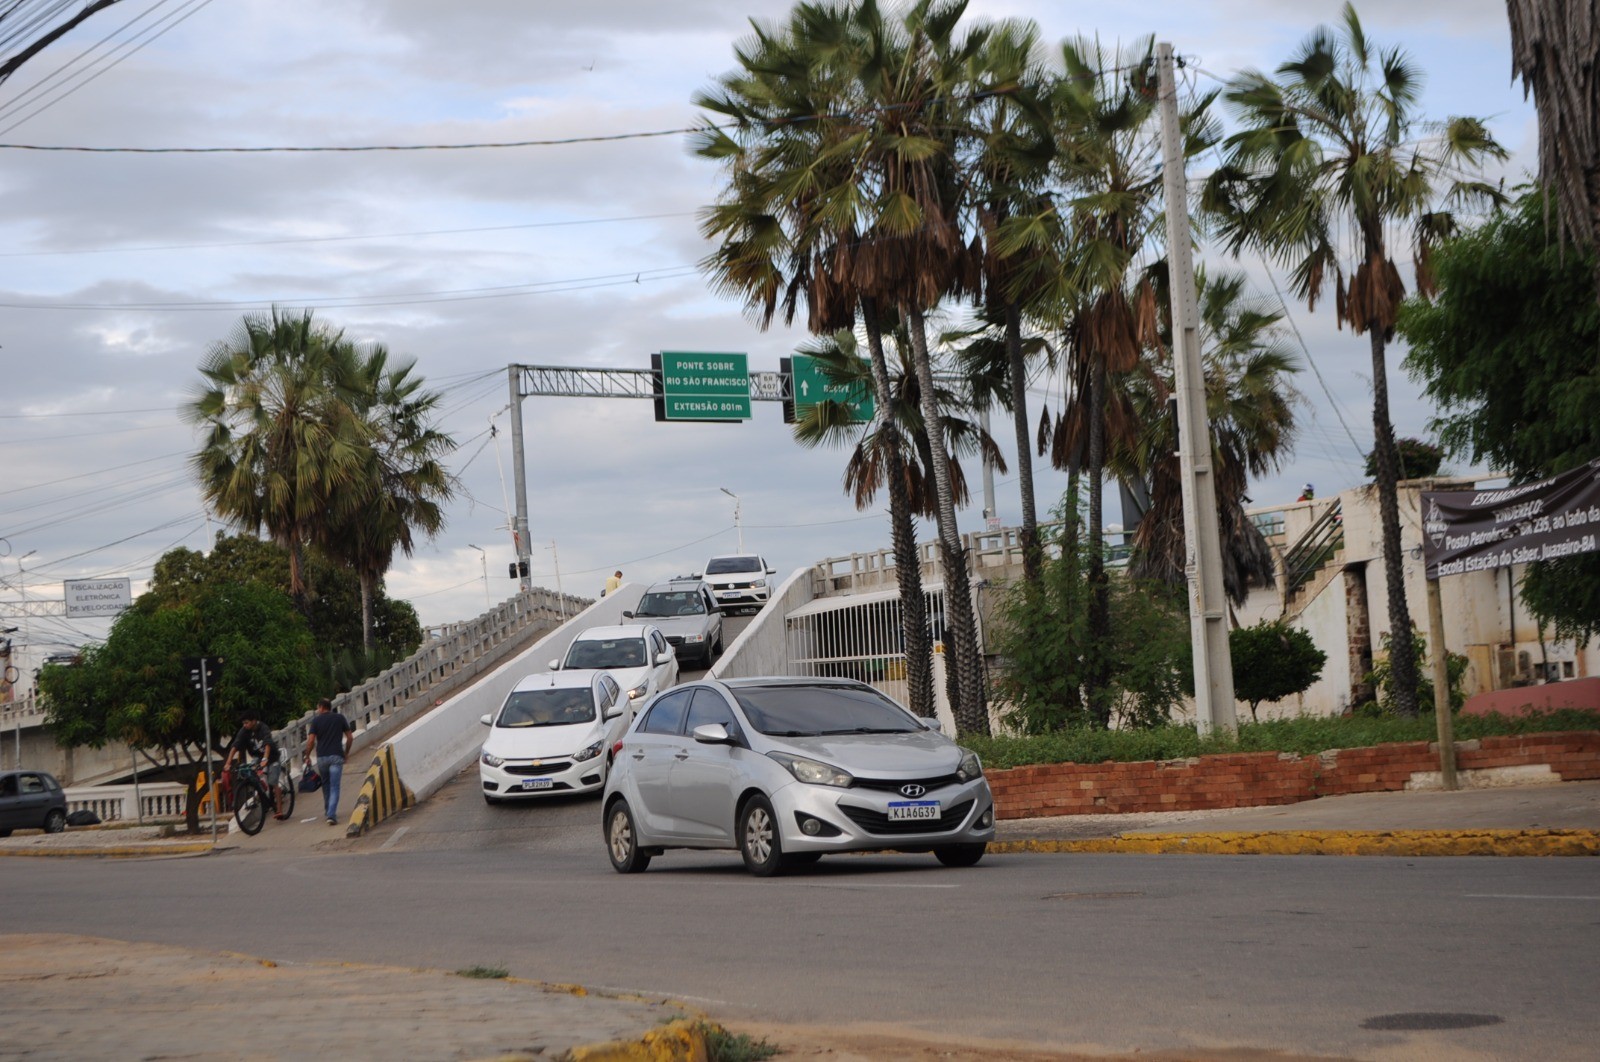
(1271, 661)
(1303, 735)
(1381, 677)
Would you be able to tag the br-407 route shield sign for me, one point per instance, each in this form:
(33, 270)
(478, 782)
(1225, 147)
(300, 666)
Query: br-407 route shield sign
(701, 386)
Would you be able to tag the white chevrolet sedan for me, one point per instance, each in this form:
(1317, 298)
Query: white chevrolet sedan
(553, 734)
(786, 770)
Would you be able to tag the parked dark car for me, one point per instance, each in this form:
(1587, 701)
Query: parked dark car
(31, 800)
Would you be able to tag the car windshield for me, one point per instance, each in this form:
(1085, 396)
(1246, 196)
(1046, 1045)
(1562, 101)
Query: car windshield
(606, 652)
(671, 603)
(807, 711)
(547, 708)
(730, 565)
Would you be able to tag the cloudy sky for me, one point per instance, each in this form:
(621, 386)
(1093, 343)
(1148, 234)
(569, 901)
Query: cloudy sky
(117, 271)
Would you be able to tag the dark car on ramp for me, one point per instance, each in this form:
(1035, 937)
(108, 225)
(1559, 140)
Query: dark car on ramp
(31, 800)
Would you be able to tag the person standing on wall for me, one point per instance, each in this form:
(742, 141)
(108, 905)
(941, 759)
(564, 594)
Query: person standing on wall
(612, 583)
(331, 737)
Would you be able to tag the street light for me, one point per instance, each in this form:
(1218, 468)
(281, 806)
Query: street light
(22, 591)
(737, 526)
(484, 558)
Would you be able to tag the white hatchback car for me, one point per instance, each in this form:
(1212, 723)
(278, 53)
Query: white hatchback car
(637, 656)
(553, 735)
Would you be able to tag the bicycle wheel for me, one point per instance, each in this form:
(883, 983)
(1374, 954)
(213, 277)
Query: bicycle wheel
(285, 794)
(250, 807)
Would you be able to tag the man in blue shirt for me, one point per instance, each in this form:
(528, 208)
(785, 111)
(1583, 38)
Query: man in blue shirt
(331, 737)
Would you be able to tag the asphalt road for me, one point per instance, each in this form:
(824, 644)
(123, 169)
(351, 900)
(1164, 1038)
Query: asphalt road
(1491, 958)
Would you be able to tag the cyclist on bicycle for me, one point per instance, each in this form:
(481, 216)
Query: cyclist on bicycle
(254, 742)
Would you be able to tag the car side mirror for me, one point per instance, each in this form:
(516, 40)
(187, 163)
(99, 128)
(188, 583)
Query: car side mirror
(627, 614)
(611, 711)
(929, 724)
(486, 721)
(555, 665)
(772, 571)
(712, 734)
(697, 575)
(663, 656)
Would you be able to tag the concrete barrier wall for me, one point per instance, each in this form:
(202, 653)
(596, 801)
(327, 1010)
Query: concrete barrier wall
(433, 749)
(762, 647)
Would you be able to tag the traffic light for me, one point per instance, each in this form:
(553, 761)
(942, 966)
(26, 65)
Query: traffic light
(517, 569)
(213, 670)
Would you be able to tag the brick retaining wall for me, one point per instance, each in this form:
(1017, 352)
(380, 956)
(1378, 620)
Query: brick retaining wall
(1253, 779)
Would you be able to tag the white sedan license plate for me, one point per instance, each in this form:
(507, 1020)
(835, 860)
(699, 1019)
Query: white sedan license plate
(538, 783)
(913, 810)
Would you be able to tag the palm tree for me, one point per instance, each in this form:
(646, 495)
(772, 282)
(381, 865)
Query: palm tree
(1013, 145)
(877, 449)
(788, 199)
(1250, 412)
(1553, 45)
(1336, 145)
(825, 170)
(401, 485)
(281, 443)
(913, 253)
(1109, 168)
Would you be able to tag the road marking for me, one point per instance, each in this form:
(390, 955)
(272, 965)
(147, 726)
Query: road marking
(1523, 896)
(397, 835)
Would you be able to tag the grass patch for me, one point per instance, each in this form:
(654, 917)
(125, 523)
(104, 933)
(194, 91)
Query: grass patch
(1305, 736)
(725, 1046)
(485, 973)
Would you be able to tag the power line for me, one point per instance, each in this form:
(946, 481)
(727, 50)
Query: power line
(348, 238)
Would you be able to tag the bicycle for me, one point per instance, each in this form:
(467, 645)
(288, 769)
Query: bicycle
(252, 799)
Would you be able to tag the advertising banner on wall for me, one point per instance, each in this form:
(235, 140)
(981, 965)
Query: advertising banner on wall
(1484, 530)
(87, 598)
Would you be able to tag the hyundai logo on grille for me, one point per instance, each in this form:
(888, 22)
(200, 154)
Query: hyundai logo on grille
(913, 790)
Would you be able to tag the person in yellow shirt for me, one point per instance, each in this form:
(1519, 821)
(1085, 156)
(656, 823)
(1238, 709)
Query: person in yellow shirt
(612, 583)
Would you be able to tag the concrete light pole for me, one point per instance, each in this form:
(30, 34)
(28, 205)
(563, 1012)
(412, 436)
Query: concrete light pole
(22, 591)
(1208, 613)
(737, 526)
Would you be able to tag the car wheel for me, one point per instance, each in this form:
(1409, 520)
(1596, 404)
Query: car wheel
(960, 855)
(716, 650)
(5, 833)
(55, 820)
(758, 838)
(622, 840)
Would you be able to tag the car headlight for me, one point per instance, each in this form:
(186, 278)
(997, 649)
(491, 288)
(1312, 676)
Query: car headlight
(694, 637)
(970, 767)
(491, 760)
(639, 691)
(589, 752)
(813, 772)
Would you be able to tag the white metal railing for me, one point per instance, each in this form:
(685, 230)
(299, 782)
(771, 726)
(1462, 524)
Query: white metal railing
(127, 803)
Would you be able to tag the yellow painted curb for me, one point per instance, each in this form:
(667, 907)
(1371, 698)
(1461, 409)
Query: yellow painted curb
(125, 852)
(678, 1041)
(1333, 842)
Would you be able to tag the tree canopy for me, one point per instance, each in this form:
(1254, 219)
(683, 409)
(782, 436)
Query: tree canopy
(1507, 351)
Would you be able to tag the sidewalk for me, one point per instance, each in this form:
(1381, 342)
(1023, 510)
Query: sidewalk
(1561, 819)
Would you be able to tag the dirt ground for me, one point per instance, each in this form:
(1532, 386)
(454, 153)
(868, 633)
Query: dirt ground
(79, 998)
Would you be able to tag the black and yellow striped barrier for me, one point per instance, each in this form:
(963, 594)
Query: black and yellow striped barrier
(382, 794)
(198, 805)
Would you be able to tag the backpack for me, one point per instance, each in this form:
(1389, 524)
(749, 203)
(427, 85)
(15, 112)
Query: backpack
(83, 817)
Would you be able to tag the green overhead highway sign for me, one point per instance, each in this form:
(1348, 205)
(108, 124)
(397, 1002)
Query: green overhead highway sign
(701, 386)
(812, 385)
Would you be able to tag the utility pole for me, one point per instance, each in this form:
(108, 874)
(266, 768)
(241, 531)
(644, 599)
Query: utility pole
(519, 473)
(1208, 614)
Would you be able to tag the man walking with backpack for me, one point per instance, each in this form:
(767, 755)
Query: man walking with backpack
(331, 737)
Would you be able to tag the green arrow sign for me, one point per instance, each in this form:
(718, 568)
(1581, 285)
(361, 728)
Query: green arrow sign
(702, 386)
(812, 385)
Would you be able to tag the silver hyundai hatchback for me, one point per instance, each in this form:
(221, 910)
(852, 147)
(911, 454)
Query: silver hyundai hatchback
(787, 770)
